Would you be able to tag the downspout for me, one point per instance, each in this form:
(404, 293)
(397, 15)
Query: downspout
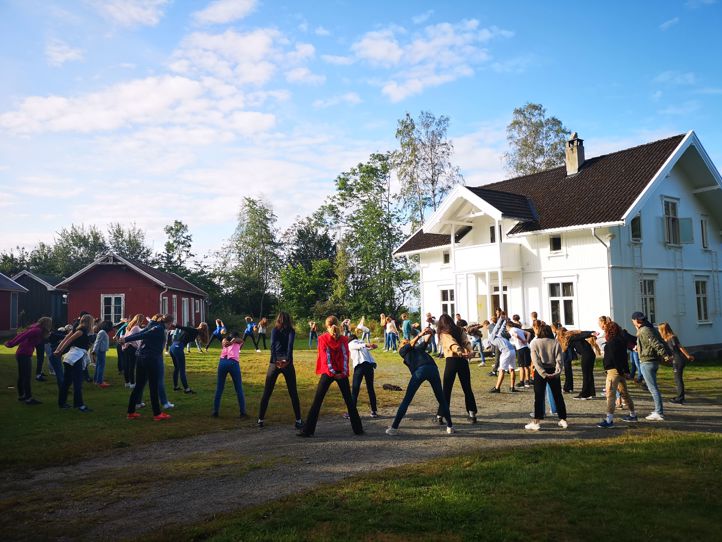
(609, 271)
(160, 299)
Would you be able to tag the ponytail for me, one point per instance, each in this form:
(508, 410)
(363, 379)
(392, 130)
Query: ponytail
(332, 326)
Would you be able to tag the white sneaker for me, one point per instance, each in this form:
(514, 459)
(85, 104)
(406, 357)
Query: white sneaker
(655, 417)
(168, 405)
(392, 432)
(531, 415)
(140, 405)
(531, 426)
(258, 351)
(131, 386)
(563, 424)
(450, 430)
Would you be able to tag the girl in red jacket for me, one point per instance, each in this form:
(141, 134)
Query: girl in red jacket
(26, 343)
(332, 364)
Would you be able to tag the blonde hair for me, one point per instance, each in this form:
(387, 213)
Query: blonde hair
(203, 332)
(86, 321)
(46, 324)
(665, 330)
(332, 326)
(136, 321)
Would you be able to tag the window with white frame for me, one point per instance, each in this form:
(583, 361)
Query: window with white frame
(635, 229)
(646, 290)
(164, 305)
(112, 307)
(186, 311)
(700, 289)
(448, 306)
(671, 222)
(704, 232)
(492, 234)
(197, 305)
(555, 243)
(561, 302)
(175, 308)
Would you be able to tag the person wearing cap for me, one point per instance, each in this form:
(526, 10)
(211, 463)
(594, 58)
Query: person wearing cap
(651, 350)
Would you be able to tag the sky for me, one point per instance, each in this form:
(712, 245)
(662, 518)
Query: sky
(148, 111)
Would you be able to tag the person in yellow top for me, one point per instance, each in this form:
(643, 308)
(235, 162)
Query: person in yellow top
(456, 348)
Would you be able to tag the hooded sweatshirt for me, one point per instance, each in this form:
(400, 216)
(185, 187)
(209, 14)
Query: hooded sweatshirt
(333, 355)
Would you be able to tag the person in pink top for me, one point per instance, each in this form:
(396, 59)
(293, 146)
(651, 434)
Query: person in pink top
(26, 343)
(229, 364)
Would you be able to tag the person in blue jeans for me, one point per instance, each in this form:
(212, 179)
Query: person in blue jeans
(312, 333)
(423, 368)
(100, 351)
(651, 350)
(229, 364)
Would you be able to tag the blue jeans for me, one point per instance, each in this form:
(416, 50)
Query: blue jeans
(56, 363)
(99, 367)
(635, 366)
(311, 336)
(387, 341)
(179, 365)
(229, 366)
(161, 381)
(649, 372)
(432, 343)
(393, 339)
(430, 373)
(550, 398)
(366, 336)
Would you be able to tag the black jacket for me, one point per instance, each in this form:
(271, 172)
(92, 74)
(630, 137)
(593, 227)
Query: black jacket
(416, 356)
(615, 355)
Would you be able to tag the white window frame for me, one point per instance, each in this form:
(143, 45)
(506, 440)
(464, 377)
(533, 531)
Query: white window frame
(672, 230)
(704, 232)
(450, 303)
(175, 308)
(649, 301)
(632, 238)
(197, 305)
(185, 311)
(112, 306)
(504, 295)
(562, 298)
(702, 317)
(164, 304)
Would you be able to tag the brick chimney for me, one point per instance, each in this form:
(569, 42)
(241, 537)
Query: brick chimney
(574, 154)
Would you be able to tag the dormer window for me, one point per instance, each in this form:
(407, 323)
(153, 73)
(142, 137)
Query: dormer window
(636, 229)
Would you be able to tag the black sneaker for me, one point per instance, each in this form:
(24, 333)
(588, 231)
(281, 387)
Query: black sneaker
(472, 419)
(177, 388)
(303, 434)
(297, 425)
(40, 378)
(513, 390)
(440, 420)
(66, 406)
(495, 390)
(520, 384)
(214, 414)
(85, 409)
(22, 398)
(243, 416)
(492, 373)
(677, 401)
(259, 423)
(189, 391)
(32, 401)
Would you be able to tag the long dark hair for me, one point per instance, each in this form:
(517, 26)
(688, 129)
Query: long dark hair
(283, 321)
(446, 324)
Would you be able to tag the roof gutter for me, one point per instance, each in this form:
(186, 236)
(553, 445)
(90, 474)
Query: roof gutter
(579, 227)
(609, 270)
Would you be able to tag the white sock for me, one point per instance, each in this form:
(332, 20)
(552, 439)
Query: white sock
(472, 413)
(633, 413)
(297, 421)
(610, 418)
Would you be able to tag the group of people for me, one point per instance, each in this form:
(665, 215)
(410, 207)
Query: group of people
(541, 352)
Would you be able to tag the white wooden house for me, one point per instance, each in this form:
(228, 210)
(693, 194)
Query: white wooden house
(638, 229)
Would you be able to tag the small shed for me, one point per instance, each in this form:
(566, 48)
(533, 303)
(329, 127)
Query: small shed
(43, 298)
(9, 303)
(114, 287)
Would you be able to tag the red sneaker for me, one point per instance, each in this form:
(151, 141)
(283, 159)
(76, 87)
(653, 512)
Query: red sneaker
(133, 416)
(103, 385)
(161, 416)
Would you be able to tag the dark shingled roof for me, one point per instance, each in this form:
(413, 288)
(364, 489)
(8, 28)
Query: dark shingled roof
(421, 240)
(9, 285)
(602, 191)
(50, 279)
(171, 280)
(511, 205)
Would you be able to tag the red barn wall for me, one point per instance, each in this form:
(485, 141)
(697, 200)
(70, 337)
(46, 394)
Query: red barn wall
(194, 317)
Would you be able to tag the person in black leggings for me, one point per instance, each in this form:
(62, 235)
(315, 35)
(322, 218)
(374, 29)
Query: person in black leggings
(281, 363)
(456, 348)
(364, 366)
(578, 341)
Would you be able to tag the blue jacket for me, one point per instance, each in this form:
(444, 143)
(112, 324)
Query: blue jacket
(153, 340)
(416, 356)
(282, 344)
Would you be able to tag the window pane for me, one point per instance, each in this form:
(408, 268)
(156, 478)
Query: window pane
(555, 244)
(554, 290)
(569, 312)
(555, 311)
(107, 301)
(492, 234)
(451, 295)
(568, 289)
(444, 295)
(636, 228)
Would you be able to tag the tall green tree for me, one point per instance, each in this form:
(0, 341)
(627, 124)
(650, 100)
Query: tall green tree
(302, 288)
(423, 164)
(308, 240)
(77, 246)
(177, 254)
(129, 242)
(536, 141)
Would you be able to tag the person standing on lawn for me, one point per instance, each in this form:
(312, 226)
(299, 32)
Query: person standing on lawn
(506, 356)
(150, 365)
(408, 331)
(456, 348)
(282, 337)
(250, 328)
(520, 339)
(26, 342)
(652, 349)
(100, 351)
(617, 366)
(578, 341)
(217, 333)
(261, 328)
(312, 334)
(422, 368)
(332, 363)
(363, 369)
(229, 363)
(75, 346)
(681, 357)
(546, 357)
(122, 327)
(130, 349)
(182, 336)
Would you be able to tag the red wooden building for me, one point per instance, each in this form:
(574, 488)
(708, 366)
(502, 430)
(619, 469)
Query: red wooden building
(113, 287)
(9, 302)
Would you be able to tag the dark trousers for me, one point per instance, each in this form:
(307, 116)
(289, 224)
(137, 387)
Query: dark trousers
(540, 389)
(248, 334)
(258, 341)
(177, 354)
(72, 375)
(147, 370)
(25, 367)
(289, 373)
(121, 359)
(460, 367)
(129, 361)
(568, 371)
(426, 372)
(40, 355)
(497, 355)
(213, 338)
(588, 389)
(323, 384)
(679, 366)
(364, 371)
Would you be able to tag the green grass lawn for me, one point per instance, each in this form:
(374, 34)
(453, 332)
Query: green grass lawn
(45, 435)
(655, 485)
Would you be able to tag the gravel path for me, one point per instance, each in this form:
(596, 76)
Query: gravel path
(127, 493)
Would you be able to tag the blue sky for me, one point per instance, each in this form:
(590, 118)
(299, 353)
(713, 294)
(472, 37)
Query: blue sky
(150, 111)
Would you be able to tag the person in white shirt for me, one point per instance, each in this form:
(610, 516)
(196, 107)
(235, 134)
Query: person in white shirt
(365, 331)
(506, 355)
(363, 369)
(520, 339)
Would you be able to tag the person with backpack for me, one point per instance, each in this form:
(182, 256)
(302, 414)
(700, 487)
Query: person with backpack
(652, 349)
(180, 337)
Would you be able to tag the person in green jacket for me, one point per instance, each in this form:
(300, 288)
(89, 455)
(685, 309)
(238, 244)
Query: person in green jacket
(652, 349)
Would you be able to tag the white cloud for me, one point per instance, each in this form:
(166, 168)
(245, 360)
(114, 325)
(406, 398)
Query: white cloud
(436, 55)
(513, 65)
(321, 31)
(338, 60)
(131, 12)
(479, 154)
(57, 53)
(422, 17)
(350, 98)
(666, 25)
(304, 76)
(685, 108)
(225, 11)
(672, 77)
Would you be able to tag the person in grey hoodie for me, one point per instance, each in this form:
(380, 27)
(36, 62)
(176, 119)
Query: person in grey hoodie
(652, 349)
